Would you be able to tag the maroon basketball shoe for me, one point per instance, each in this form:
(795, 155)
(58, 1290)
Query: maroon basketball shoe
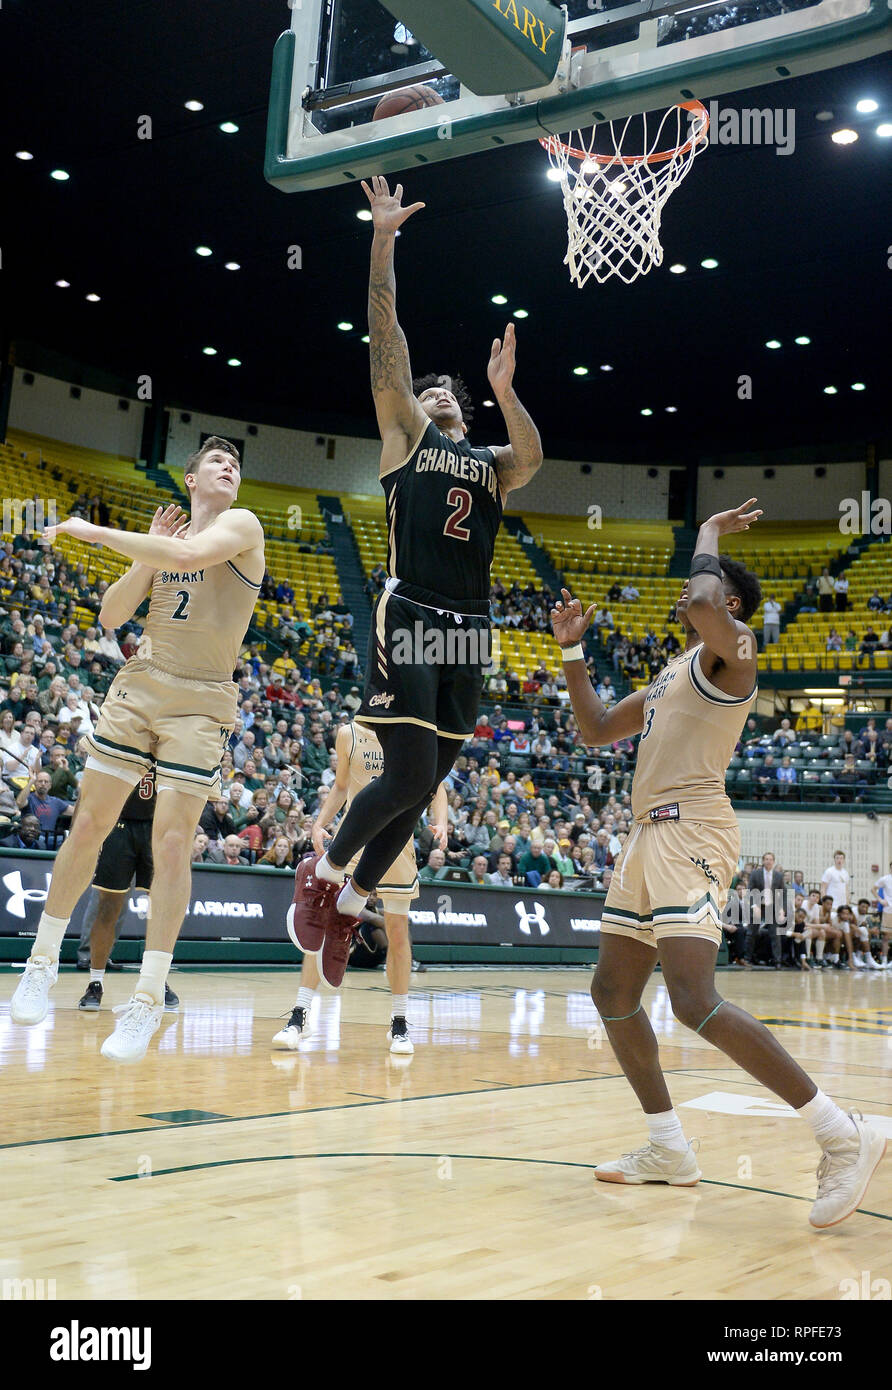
(313, 906)
(339, 932)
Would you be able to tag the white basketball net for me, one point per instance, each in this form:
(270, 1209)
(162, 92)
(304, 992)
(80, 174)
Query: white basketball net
(614, 201)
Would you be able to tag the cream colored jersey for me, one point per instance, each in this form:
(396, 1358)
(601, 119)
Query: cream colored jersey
(197, 620)
(690, 731)
(366, 759)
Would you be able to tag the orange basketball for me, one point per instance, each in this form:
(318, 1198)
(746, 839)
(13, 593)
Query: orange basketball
(406, 99)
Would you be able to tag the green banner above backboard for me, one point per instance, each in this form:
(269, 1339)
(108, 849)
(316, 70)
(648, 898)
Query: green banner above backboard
(492, 46)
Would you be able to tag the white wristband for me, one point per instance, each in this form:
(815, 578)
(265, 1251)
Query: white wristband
(573, 653)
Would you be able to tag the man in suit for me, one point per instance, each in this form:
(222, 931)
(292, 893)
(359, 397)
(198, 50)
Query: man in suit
(767, 882)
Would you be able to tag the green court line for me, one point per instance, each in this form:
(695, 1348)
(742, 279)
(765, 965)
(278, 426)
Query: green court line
(314, 1110)
(479, 1158)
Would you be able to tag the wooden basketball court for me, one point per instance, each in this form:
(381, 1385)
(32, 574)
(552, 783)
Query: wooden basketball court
(219, 1168)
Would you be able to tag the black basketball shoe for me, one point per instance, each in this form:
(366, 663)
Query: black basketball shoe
(92, 998)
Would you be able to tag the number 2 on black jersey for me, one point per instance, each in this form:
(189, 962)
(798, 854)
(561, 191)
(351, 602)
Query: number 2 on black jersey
(460, 499)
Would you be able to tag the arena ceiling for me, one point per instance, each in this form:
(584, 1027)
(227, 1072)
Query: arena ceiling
(801, 240)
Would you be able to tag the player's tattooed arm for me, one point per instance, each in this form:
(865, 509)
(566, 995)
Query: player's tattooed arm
(391, 373)
(517, 462)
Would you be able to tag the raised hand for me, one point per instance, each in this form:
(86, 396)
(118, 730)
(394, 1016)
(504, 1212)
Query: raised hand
(568, 622)
(388, 213)
(169, 521)
(737, 519)
(73, 526)
(502, 361)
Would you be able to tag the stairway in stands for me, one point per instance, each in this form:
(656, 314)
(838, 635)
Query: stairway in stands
(160, 477)
(538, 558)
(685, 543)
(350, 573)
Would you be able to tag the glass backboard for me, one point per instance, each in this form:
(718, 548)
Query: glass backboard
(341, 58)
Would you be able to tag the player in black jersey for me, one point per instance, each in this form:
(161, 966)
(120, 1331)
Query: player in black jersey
(429, 643)
(125, 860)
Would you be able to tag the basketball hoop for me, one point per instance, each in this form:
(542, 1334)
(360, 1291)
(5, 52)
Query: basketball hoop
(614, 202)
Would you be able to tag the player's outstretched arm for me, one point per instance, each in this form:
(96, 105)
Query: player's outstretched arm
(121, 599)
(396, 407)
(597, 725)
(517, 462)
(229, 536)
(723, 636)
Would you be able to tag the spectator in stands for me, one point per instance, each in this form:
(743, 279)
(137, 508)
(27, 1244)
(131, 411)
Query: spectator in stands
(826, 591)
(606, 692)
(36, 799)
(869, 643)
(614, 592)
(63, 782)
(483, 733)
(502, 876)
(200, 844)
(603, 618)
(281, 855)
(436, 860)
(771, 616)
(215, 820)
(766, 779)
(479, 875)
(834, 641)
(808, 600)
(284, 592)
(629, 594)
(841, 592)
(875, 602)
(535, 864)
(233, 852)
(25, 836)
(787, 777)
(783, 734)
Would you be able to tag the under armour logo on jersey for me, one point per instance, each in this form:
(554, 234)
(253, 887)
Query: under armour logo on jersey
(530, 919)
(19, 895)
(121, 694)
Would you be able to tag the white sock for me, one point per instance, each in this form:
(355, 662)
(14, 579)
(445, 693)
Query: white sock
(304, 997)
(350, 902)
(665, 1128)
(153, 974)
(399, 1003)
(325, 871)
(819, 949)
(98, 975)
(50, 931)
(827, 1120)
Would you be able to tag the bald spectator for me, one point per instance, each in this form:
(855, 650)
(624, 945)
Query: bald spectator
(436, 860)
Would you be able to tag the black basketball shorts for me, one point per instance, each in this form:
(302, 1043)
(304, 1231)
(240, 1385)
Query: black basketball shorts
(125, 855)
(425, 666)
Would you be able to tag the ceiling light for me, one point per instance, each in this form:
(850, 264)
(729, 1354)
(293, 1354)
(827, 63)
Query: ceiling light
(829, 390)
(233, 362)
(580, 371)
(606, 367)
(844, 137)
(60, 175)
(229, 128)
(209, 352)
(885, 130)
(345, 327)
(93, 298)
(194, 105)
(824, 116)
(858, 386)
(232, 265)
(866, 105)
(489, 403)
(554, 175)
(710, 263)
(64, 284)
(802, 342)
(647, 411)
(772, 343)
(499, 299)
(521, 314)
(677, 269)
(203, 251)
(365, 338)
(23, 154)
(671, 409)
(589, 166)
(365, 214)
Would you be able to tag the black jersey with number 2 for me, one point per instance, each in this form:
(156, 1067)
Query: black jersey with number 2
(444, 509)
